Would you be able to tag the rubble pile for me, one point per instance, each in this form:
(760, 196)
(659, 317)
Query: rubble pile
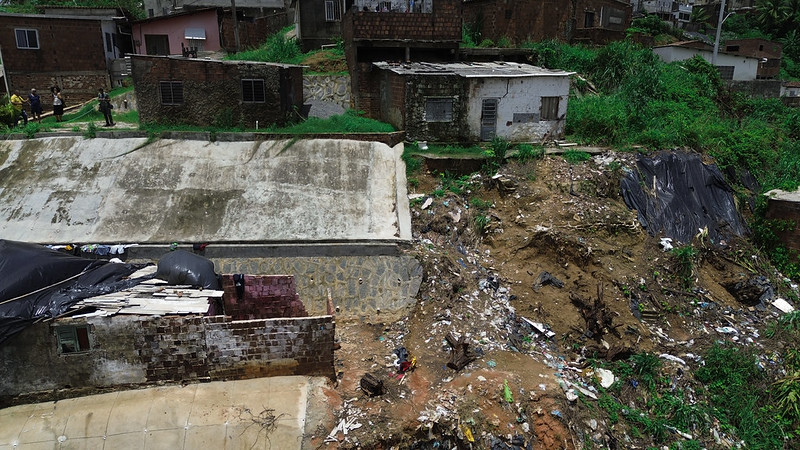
(541, 306)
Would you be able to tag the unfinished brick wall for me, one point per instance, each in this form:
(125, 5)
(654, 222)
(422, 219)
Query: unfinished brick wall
(218, 348)
(78, 66)
(789, 212)
(262, 297)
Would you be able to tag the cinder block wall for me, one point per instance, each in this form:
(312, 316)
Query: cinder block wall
(790, 212)
(136, 350)
(262, 297)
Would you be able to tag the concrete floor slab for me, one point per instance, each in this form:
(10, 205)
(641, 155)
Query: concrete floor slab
(262, 413)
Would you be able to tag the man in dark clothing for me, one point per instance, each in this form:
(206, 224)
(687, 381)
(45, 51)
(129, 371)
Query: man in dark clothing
(105, 106)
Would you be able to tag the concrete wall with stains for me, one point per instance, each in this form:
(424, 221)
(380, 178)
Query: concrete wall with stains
(70, 189)
(519, 107)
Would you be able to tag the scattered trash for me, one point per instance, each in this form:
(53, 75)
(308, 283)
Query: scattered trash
(783, 305)
(540, 327)
(546, 278)
(666, 243)
(372, 385)
(727, 330)
(491, 364)
(507, 392)
(675, 358)
(605, 376)
(427, 203)
(557, 413)
(460, 355)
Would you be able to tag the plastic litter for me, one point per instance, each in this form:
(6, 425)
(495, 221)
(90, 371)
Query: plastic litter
(783, 305)
(182, 267)
(606, 377)
(727, 330)
(507, 393)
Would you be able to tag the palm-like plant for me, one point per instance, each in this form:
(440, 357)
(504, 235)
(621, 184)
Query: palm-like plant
(771, 13)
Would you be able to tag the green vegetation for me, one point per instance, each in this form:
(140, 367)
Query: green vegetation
(684, 258)
(132, 7)
(277, 48)
(349, 122)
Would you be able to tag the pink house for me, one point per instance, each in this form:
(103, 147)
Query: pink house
(183, 33)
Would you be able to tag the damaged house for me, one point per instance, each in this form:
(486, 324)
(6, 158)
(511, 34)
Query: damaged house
(473, 101)
(97, 324)
(204, 92)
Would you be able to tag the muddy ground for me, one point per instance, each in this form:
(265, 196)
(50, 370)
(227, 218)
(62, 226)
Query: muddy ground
(485, 244)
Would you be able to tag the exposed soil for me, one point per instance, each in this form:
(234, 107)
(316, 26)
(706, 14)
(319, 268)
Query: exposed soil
(622, 294)
(324, 62)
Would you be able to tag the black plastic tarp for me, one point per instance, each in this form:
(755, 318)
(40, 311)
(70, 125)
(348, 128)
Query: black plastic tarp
(39, 283)
(677, 195)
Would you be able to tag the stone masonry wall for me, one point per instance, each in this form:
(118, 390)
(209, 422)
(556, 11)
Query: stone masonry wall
(262, 297)
(360, 285)
(329, 88)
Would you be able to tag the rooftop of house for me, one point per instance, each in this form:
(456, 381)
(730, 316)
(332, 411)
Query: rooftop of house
(472, 69)
(213, 59)
(153, 297)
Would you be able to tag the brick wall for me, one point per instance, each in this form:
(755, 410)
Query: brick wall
(212, 91)
(136, 350)
(529, 20)
(443, 24)
(419, 89)
(253, 30)
(77, 65)
(788, 211)
(263, 297)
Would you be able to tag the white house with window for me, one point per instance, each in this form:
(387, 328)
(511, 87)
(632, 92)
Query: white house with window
(474, 101)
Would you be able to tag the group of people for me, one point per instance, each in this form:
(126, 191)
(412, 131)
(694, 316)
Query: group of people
(35, 102)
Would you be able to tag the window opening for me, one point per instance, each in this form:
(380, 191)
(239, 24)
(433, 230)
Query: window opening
(439, 110)
(253, 91)
(27, 38)
(73, 339)
(171, 92)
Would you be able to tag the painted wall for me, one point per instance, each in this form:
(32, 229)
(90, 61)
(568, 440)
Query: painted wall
(175, 29)
(518, 96)
(745, 68)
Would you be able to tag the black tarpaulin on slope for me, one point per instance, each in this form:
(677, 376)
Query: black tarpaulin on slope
(676, 195)
(39, 283)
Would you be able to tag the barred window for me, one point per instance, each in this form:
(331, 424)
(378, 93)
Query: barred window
(333, 11)
(27, 38)
(439, 110)
(171, 92)
(726, 72)
(253, 91)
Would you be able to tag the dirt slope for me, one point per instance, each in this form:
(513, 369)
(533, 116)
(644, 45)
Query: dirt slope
(621, 295)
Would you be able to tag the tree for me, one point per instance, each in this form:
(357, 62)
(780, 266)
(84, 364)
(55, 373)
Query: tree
(770, 14)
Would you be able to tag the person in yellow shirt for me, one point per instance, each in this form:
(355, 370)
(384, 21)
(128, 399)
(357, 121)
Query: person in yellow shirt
(17, 102)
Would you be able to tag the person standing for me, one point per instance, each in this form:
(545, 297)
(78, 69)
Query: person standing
(17, 102)
(105, 106)
(36, 105)
(58, 103)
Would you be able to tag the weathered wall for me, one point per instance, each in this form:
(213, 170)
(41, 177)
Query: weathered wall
(136, 350)
(129, 190)
(174, 28)
(264, 296)
(757, 88)
(787, 210)
(259, 23)
(329, 88)
(360, 285)
(418, 89)
(745, 68)
(518, 96)
(212, 91)
(78, 66)
(312, 28)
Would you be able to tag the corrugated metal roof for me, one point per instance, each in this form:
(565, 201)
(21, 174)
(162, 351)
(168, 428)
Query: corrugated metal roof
(472, 69)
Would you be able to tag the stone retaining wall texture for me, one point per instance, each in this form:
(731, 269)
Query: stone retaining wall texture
(329, 88)
(360, 285)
